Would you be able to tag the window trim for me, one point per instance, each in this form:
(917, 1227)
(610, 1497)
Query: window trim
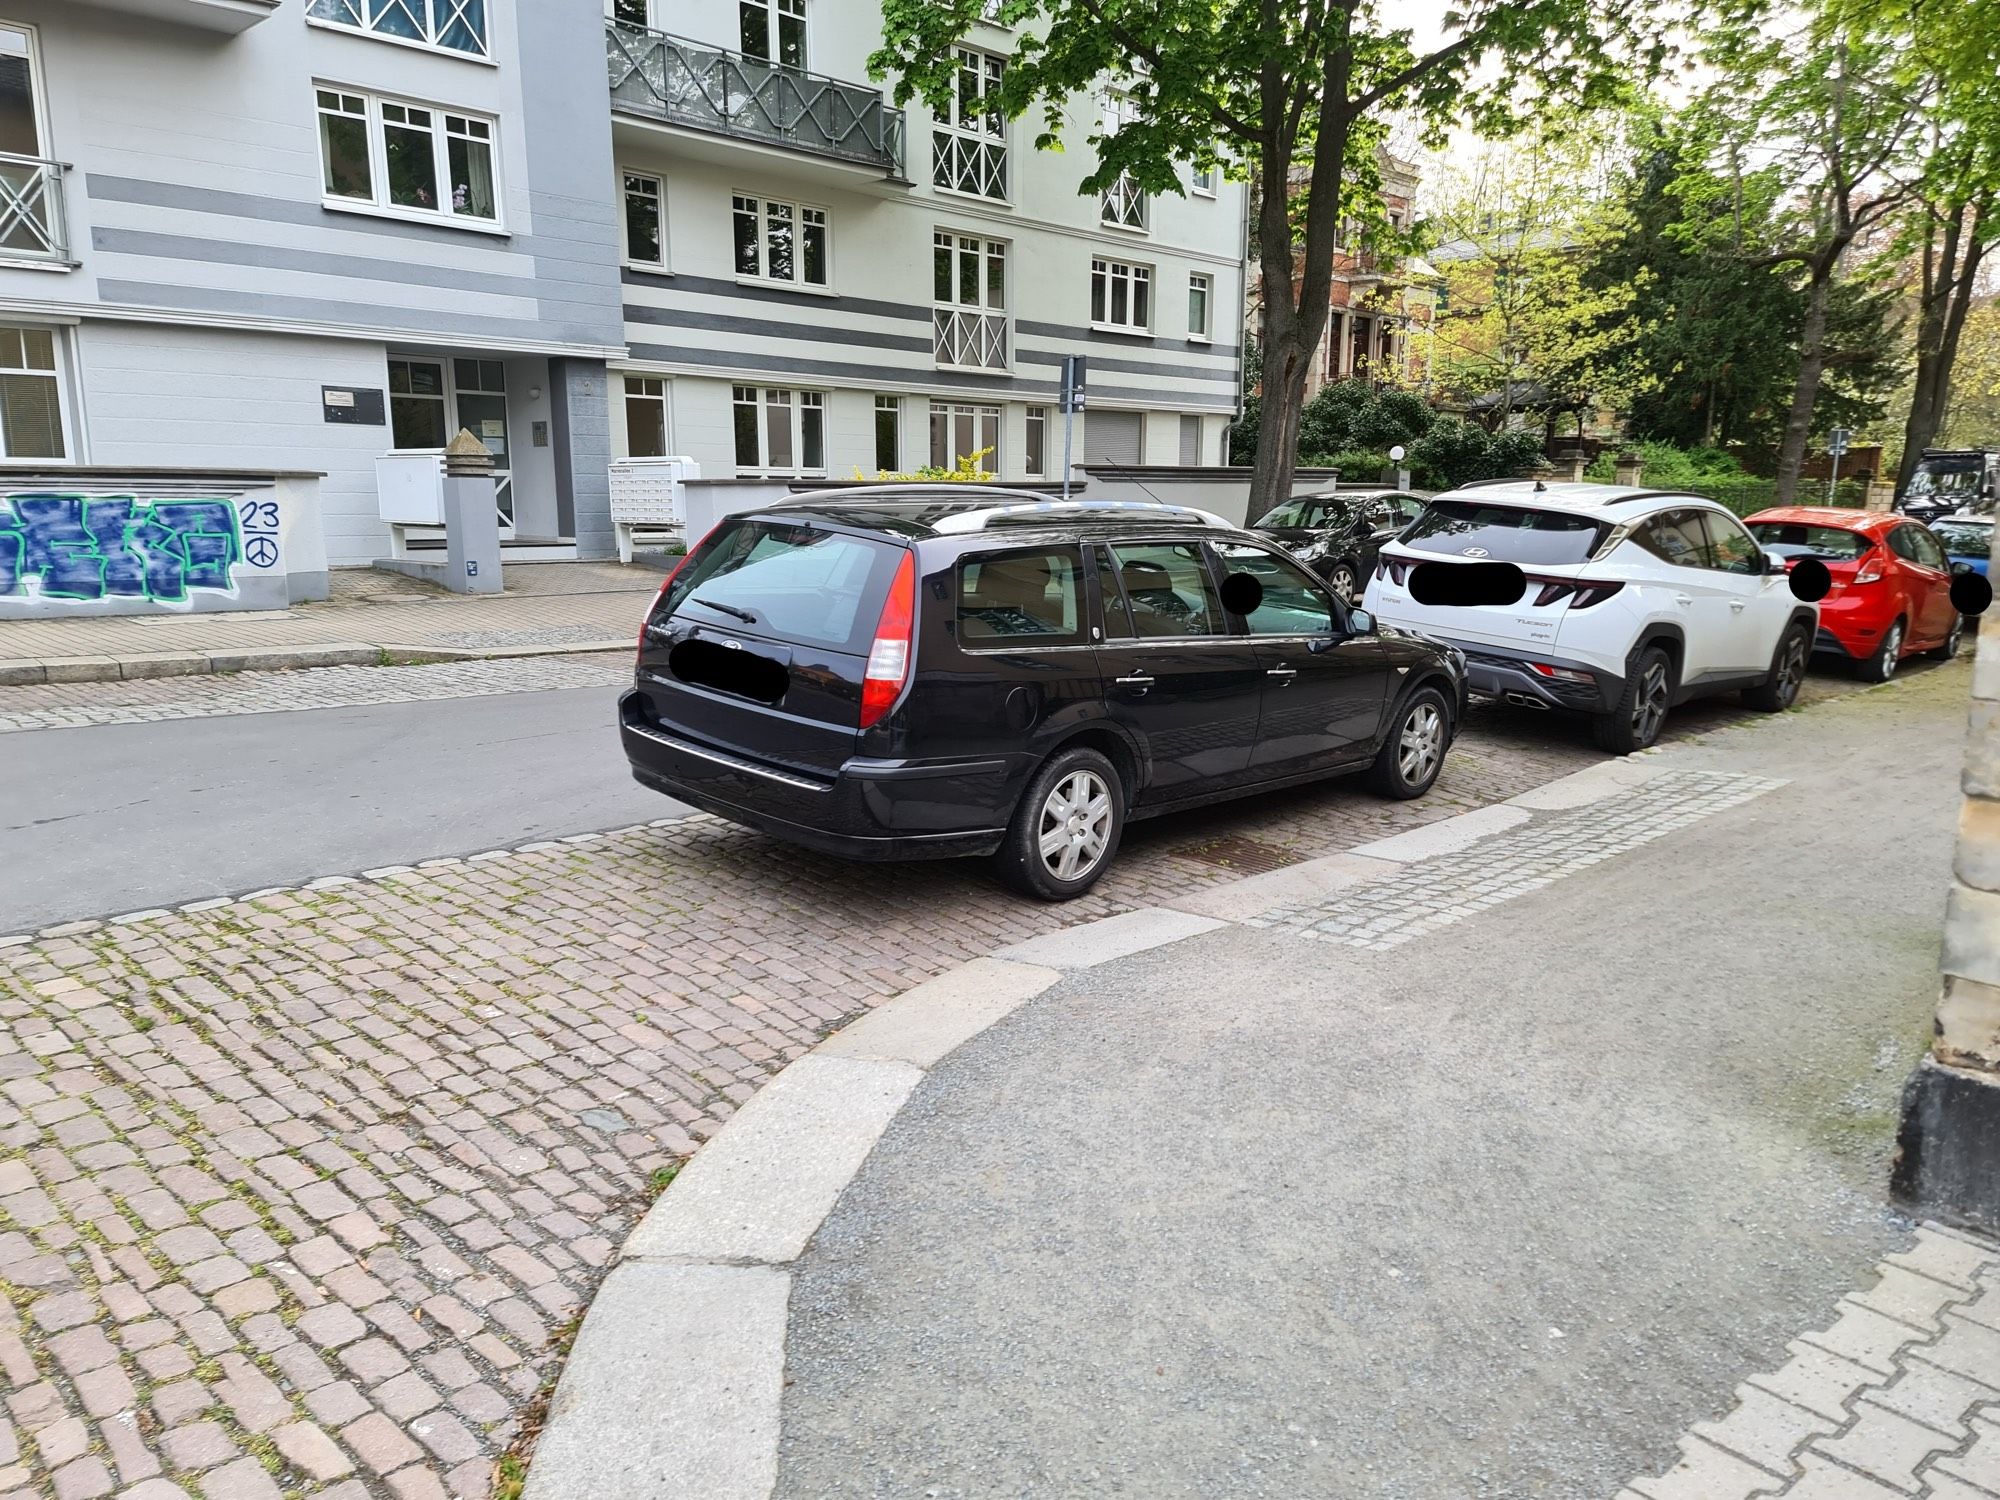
(803, 397)
(1240, 624)
(1206, 335)
(800, 209)
(948, 124)
(1214, 181)
(1131, 330)
(69, 413)
(1032, 414)
(893, 406)
(627, 395)
(1086, 628)
(1112, 111)
(660, 267)
(1210, 570)
(377, 206)
(950, 406)
(773, 16)
(484, 56)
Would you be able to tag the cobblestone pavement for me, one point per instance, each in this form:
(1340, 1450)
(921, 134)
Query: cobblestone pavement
(72, 705)
(1507, 865)
(295, 1190)
(1895, 1398)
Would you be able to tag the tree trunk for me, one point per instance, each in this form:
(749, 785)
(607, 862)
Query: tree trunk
(1950, 278)
(1812, 364)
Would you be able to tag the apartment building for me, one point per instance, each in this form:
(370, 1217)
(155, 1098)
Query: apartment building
(817, 283)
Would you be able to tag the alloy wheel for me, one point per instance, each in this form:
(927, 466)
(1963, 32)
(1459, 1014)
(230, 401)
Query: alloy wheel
(1791, 670)
(1341, 581)
(1892, 653)
(1075, 825)
(1649, 709)
(1421, 743)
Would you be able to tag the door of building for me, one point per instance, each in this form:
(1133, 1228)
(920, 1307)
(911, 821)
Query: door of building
(481, 388)
(430, 399)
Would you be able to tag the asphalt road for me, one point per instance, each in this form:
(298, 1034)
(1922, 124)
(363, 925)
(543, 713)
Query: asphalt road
(127, 816)
(1493, 1215)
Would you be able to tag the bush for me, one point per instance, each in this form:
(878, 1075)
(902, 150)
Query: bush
(1356, 465)
(1353, 416)
(1455, 452)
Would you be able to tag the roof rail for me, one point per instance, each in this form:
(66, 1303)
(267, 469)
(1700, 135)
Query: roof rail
(979, 520)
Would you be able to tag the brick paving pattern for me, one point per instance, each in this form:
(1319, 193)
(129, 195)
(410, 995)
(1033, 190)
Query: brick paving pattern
(1435, 894)
(1899, 1396)
(295, 1189)
(74, 705)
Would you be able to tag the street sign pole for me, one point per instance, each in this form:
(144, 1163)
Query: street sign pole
(1836, 445)
(1072, 403)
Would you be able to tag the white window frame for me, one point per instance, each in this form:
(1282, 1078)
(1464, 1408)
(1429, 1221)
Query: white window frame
(1206, 281)
(1134, 275)
(796, 403)
(982, 325)
(775, 14)
(638, 387)
(760, 208)
(423, 12)
(611, 14)
(1123, 206)
(1036, 417)
(893, 406)
(626, 176)
(442, 118)
(1202, 181)
(954, 135)
(981, 413)
(66, 413)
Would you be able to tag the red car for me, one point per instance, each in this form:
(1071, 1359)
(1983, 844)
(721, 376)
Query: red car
(1891, 593)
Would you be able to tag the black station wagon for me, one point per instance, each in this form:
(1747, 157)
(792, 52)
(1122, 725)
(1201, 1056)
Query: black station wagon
(912, 672)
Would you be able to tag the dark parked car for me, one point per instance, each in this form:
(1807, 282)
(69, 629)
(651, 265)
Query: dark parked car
(910, 672)
(1338, 532)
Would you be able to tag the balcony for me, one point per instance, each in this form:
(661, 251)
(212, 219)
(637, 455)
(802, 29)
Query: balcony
(1125, 204)
(31, 212)
(725, 93)
(226, 16)
(969, 340)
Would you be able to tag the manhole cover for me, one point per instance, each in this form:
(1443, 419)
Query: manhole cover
(1251, 856)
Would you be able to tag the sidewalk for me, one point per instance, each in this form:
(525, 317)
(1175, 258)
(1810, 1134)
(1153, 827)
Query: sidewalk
(546, 608)
(1537, 1153)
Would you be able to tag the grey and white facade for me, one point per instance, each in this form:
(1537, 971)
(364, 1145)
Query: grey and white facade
(312, 235)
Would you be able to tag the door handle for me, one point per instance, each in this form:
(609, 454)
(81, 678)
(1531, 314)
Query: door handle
(1283, 674)
(1683, 599)
(1736, 605)
(1138, 683)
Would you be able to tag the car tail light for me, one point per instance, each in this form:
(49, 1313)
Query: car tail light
(1870, 570)
(666, 583)
(1395, 568)
(1560, 674)
(1588, 594)
(889, 657)
(1551, 592)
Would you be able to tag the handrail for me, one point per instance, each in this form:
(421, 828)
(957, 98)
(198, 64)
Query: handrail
(727, 93)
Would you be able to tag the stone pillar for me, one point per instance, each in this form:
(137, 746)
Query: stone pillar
(1948, 1152)
(1881, 494)
(580, 434)
(471, 518)
(1570, 464)
(1627, 467)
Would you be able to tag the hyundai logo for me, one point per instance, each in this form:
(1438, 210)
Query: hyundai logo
(1474, 552)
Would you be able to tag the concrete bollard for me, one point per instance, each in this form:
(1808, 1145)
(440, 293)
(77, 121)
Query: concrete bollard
(471, 518)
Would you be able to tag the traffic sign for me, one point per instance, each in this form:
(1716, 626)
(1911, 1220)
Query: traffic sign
(1073, 371)
(1837, 440)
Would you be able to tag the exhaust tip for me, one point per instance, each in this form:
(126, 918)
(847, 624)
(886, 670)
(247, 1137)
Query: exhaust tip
(1525, 700)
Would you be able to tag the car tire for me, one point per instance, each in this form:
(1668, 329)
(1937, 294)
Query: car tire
(1780, 690)
(1413, 750)
(1341, 578)
(1053, 830)
(1881, 667)
(1949, 647)
(1635, 722)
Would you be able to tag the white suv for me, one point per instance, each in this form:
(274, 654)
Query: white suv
(1636, 600)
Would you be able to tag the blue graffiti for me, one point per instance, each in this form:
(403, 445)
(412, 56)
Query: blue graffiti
(116, 546)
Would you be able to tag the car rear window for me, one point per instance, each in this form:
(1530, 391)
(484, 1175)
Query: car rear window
(1504, 533)
(791, 582)
(1827, 543)
(1027, 598)
(1307, 515)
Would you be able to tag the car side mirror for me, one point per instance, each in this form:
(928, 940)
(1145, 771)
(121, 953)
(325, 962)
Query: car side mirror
(1961, 567)
(1360, 622)
(1773, 563)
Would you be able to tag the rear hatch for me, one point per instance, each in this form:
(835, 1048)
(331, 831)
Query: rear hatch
(1845, 553)
(759, 643)
(1551, 548)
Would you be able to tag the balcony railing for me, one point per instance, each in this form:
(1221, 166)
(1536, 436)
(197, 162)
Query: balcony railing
(726, 93)
(31, 210)
(969, 340)
(1125, 204)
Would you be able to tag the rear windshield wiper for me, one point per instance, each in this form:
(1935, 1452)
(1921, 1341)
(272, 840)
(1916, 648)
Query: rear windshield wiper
(729, 609)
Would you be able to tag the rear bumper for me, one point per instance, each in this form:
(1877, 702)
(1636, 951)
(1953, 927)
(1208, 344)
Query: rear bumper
(1497, 672)
(869, 810)
(1851, 625)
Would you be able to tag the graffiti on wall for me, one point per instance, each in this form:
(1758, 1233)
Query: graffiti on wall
(122, 547)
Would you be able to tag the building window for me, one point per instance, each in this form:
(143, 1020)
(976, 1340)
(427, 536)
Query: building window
(960, 430)
(1037, 457)
(1124, 202)
(645, 416)
(417, 402)
(633, 14)
(969, 136)
(454, 25)
(780, 432)
(888, 434)
(1202, 180)
(31, 417)
(1121, 296)
(782, 242)
(1201, 290)
(774, 31)
(645, 221)
(410, 159)
(969, 286)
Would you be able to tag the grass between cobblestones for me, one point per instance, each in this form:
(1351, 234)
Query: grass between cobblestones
(300, 1193)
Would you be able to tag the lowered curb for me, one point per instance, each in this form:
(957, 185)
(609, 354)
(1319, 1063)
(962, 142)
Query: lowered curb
(689, 1327)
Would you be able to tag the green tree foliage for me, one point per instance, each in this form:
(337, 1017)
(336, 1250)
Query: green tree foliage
(1352, 417)
(1454, 452)
(1293, 93)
